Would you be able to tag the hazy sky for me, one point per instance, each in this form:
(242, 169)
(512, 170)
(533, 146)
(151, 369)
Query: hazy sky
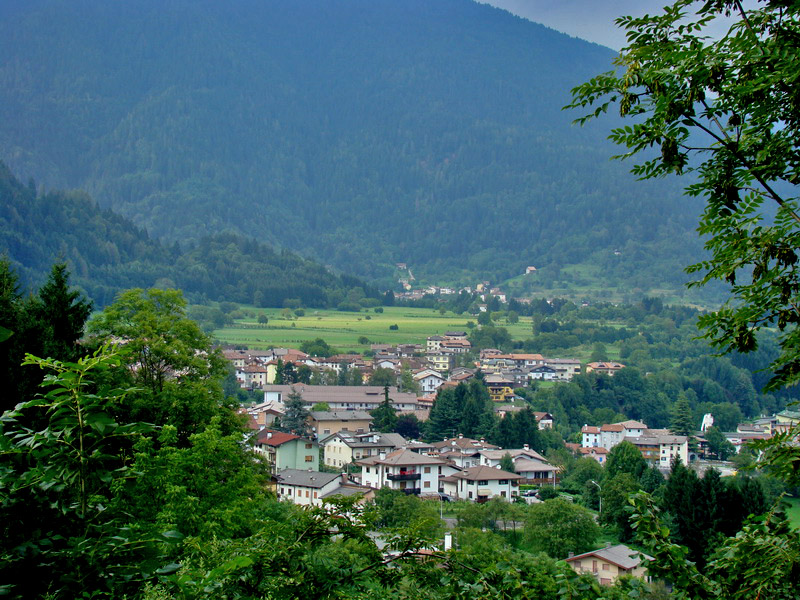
(591, 20)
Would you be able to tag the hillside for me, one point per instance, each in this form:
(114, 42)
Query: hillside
(107, 254)
(361, 133)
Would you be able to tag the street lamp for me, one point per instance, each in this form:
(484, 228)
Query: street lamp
(600, 497)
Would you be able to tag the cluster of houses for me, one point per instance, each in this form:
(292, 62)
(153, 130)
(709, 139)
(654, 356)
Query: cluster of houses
(431, 366)
(460, 468)
(658, 446)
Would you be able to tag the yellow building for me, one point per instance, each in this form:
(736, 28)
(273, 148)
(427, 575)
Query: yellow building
(610, 562)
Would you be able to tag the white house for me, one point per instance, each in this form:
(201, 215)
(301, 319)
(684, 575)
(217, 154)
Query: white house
(482, 483)
(404, 470)
(428, 380)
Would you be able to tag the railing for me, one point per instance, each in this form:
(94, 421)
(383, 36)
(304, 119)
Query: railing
(410, 491)
(403, 476)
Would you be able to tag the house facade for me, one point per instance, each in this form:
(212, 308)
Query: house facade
(609, 563)
(286, 450)
(481, 483)
(404, 470)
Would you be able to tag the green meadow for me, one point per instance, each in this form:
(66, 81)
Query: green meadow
(343, 329)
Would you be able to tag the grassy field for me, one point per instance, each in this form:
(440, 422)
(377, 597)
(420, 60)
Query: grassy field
(343, 329)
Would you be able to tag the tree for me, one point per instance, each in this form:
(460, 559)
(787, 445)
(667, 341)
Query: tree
(384, 417)
(725, 108)
(65, 474)
(615, 494)
(48, 324)
(718, 444)
(625, 458)
(507, 463)
(407, 383)
(383, 377)
(407, 426)
(295, 417)
(682, 422)
(557, 527)
(63, 313)
(177, 373)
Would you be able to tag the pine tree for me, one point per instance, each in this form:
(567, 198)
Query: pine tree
(444, 418)
(295, 417)
(682, 422)
(384, 417)
(62, 313)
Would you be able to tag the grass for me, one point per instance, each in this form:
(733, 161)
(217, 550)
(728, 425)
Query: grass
(343, 329)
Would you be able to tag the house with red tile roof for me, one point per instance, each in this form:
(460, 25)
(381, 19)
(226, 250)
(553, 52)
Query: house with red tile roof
(287, 451)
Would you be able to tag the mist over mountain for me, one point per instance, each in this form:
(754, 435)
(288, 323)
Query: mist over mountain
(361, 133)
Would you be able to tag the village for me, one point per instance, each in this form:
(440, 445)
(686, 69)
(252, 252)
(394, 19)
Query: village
(345, 454)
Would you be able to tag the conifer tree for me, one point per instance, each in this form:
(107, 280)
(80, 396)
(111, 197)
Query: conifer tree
(682, 422)
(295, 418)
(384, 417)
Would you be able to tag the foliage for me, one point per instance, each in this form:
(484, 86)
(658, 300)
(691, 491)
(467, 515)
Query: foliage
(507, 463)
(49, 323)
(177, 374)
(624, 458)
(384, 416)
(63, 476)
(557, 527)
(725, 109)
(295, 417)
(718, 444)
(761, 561)
(682, 422)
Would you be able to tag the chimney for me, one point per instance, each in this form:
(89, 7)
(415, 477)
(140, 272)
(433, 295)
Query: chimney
(345, 478)
(608, 544)
(570, 555)
(448, 541)
(461, 436)
(526, 447)
(382, 455)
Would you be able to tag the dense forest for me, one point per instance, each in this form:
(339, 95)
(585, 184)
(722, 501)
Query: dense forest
(360, 133)
(107, 253)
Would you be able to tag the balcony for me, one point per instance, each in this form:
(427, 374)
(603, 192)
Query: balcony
(403, 476)
(410, 491)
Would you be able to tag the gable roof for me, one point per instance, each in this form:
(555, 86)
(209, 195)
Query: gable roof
(311, 479)
(270, 437)
(480, 473)
(619, 555)
(402, 457)
(341, 415)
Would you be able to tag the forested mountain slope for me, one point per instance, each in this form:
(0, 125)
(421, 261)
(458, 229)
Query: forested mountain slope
(107, 253)
(361, 133)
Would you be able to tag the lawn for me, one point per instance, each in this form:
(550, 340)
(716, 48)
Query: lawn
(343, 329)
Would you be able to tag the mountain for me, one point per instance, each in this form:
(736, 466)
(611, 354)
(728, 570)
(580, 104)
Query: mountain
(359, 132)
(107, 253)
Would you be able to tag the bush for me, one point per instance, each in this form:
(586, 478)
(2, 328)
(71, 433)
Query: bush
(393, 328)
(263, 319)
(379, 309)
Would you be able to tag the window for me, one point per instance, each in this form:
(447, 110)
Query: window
(427, 469)
(309, 458)
(309, 446)
(367, 469)
(306, 493)
(315, 494)
(606, 566)
(483, 482)
(326, 431)
(503, 481)
(427, 484)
